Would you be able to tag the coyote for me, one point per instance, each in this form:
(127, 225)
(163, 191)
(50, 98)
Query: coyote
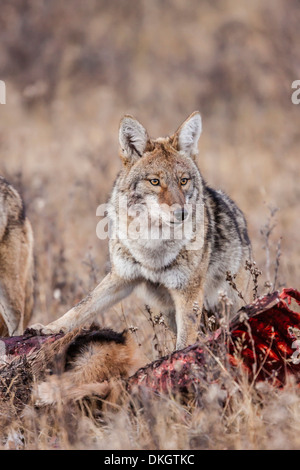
(182, 273)
(86, 363)
(16, 263)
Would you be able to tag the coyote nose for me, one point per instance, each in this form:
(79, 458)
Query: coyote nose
(181, 214)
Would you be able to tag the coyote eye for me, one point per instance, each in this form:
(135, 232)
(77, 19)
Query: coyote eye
(154, 181)
(184, 181)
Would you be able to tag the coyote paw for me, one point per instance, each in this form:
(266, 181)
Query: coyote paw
(40, 329)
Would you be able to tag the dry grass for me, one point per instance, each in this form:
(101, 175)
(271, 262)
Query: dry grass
(71, 72)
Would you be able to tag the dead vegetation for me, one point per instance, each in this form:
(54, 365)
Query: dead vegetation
(71, 72)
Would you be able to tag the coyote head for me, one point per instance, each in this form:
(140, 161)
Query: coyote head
(161, 174)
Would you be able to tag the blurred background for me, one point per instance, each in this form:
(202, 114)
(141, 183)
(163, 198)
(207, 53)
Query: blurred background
(72, 69)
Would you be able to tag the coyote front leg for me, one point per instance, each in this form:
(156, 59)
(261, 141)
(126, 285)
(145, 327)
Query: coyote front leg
(188, 305)
(109, 292)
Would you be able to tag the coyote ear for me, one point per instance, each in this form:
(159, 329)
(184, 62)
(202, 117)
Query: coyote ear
(187, 136)
(133, 139)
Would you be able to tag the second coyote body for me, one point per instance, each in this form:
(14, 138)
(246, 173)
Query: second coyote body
(162, 176)
(16, 263)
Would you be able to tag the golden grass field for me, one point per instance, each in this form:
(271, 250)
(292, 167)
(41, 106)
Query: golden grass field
(72, 70)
